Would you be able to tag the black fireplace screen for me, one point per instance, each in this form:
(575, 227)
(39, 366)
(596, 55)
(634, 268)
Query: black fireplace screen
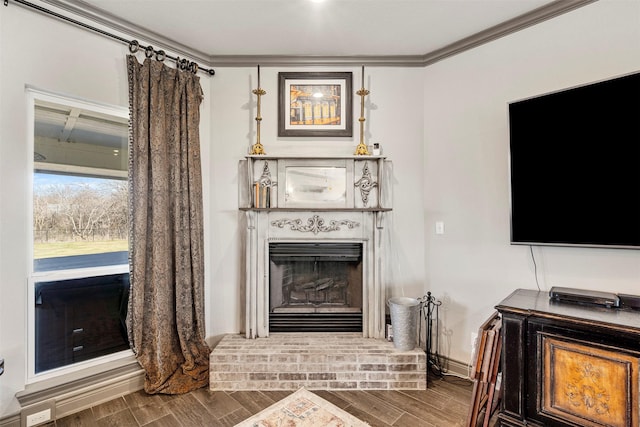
(315, 287)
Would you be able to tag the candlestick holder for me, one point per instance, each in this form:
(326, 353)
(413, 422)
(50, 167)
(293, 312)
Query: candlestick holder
(257, 148)
(361, 148)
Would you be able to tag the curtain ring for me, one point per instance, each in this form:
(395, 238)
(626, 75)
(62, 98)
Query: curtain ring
(133, 46)
(148, 52)
(184, 64)
(160, 55)
(194, 68)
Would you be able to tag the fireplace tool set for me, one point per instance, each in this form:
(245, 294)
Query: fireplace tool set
(429, 308)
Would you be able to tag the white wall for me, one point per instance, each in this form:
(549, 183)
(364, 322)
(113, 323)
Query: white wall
(472, 267)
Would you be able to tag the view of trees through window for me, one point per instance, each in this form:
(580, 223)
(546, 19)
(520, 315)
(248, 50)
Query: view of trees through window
(75, 215)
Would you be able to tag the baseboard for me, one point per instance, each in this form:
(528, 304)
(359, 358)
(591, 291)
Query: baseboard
(454, 367)
(84, 392)
(10, 421)
(82, 399)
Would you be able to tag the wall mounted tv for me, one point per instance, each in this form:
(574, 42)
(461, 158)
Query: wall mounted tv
(575, 166)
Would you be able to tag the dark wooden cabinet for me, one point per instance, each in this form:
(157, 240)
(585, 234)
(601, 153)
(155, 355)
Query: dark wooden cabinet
(566, 364)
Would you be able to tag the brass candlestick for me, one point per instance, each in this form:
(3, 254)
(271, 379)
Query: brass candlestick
(361, 149)
(257, 148)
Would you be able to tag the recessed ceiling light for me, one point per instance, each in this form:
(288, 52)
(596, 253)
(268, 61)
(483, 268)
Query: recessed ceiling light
(318, 95)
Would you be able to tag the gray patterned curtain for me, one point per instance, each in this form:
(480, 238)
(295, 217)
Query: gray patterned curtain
(165, 320)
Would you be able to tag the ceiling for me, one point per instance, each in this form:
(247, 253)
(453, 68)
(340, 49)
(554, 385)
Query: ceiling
(219, 29)
(73, 124)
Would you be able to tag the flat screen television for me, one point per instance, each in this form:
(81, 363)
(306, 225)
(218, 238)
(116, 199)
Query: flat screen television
(575, 166)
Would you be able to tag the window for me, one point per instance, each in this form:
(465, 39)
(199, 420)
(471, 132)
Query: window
(79, 280)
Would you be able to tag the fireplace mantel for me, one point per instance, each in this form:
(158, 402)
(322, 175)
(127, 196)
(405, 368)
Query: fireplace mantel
(322, 183)
(314, 199)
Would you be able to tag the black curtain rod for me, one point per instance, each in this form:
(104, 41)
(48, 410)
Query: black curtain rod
(134, 46)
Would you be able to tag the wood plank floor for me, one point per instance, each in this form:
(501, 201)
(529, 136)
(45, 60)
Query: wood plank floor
(444, 403)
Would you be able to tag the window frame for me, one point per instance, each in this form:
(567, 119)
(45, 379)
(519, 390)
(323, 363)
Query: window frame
(34, 95)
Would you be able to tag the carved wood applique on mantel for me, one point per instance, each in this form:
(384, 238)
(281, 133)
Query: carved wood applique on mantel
(315, 224)
(365, 184)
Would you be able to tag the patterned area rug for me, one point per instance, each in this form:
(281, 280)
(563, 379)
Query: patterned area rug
(302, 409)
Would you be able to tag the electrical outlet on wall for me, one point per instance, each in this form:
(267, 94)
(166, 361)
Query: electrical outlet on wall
(38, 418)
(38, 414)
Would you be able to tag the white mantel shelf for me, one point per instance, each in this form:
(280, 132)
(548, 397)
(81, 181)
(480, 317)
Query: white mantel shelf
(317, 209)
(313, 157)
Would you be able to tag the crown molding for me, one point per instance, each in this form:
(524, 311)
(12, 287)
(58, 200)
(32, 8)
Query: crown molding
(95, 15)
(310, 60)
(511, 26)
(107, 20)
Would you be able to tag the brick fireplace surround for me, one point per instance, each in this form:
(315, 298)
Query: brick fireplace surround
(264, 360)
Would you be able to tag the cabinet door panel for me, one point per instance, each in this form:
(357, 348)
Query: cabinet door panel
(589, 385)
(513, 365)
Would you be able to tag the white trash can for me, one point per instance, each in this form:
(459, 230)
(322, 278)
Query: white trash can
(404, 321)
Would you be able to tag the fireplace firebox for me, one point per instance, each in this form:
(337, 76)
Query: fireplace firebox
(315, 287)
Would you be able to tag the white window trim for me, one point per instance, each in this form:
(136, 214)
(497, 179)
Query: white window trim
(33, 95)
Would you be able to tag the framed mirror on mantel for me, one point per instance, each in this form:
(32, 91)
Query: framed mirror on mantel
(315, 183)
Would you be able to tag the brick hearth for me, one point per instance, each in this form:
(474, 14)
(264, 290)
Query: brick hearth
(319, 361)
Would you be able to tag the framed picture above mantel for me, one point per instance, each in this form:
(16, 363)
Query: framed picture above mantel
(315, 104)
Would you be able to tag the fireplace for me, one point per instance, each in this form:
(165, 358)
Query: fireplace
(315, 244)
(315, 287)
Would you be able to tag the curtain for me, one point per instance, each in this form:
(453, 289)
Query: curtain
(165, 320)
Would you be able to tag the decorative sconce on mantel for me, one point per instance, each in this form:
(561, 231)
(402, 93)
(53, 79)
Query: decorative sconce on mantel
(361, 149)
(257, 148)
